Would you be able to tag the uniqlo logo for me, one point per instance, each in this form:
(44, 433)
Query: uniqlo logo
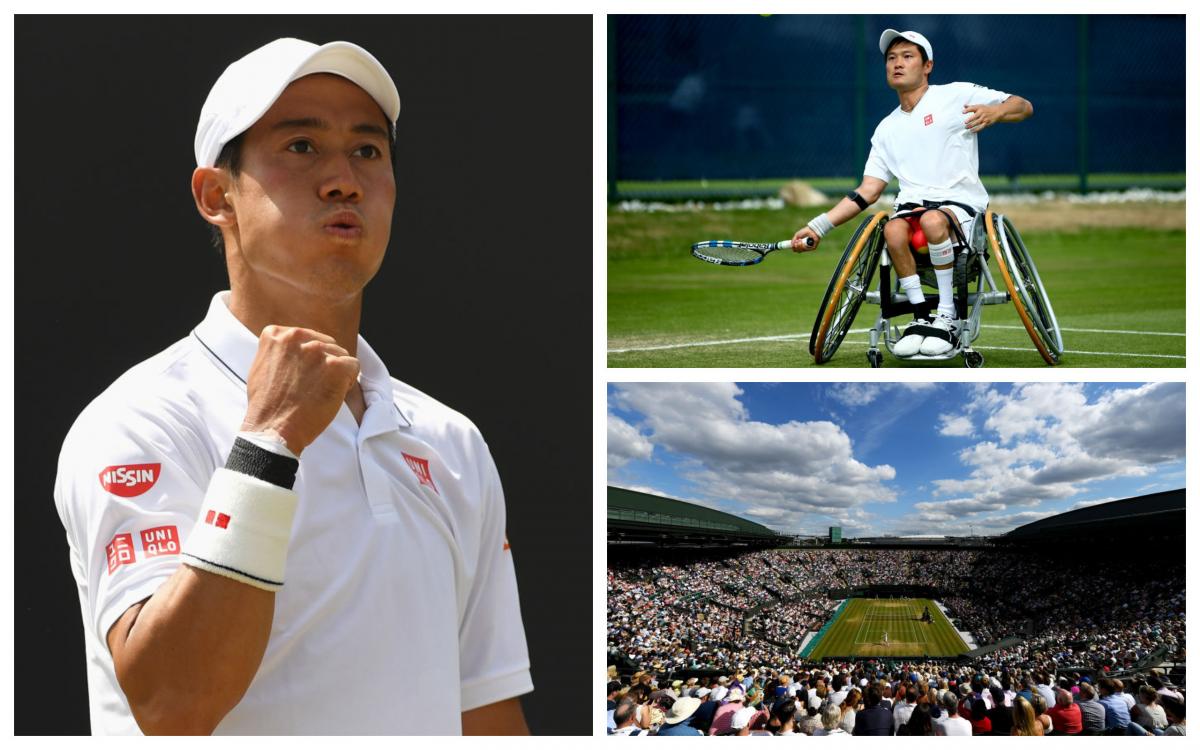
(220, 520)
(929, 119)
(120, 552)
(420, 467)
(161, 540)
(129, 480)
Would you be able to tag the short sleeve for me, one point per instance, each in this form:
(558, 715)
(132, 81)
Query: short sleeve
(493, 656)
(973, 93)
(876, 162)
(128, 489)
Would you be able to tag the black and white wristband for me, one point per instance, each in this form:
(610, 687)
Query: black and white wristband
(245, 521)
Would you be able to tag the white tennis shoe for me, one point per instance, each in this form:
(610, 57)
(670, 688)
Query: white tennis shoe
(910, 343)
(934, 345)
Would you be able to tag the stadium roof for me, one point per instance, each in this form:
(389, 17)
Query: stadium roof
(630, 510)
(1162, 509)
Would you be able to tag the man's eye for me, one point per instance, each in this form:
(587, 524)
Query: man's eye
(300, 147)
(371, 152)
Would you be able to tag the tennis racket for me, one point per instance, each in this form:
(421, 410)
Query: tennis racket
(730, 253)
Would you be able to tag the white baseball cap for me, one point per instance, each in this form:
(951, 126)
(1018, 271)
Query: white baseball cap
(741, 718)
(887, 36)
(249, 86)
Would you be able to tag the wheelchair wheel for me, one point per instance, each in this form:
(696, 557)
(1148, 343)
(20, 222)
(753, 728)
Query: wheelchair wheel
(847, 288)
(1025, 287)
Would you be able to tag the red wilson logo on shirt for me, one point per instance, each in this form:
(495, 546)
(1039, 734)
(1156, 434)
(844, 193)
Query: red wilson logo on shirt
(928, 119)
(420, 467)
(130, 480)
(120, 552)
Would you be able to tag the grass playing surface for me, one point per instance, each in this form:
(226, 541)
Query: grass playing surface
(859, 631)
(1118, 294)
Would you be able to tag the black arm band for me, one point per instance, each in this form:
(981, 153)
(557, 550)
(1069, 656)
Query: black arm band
(861, 201)
(247, 458)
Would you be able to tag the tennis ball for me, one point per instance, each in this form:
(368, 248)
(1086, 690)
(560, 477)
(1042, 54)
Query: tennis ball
(918, 241)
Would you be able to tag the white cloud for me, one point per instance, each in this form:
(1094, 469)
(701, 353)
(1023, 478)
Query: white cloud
(861, 394)
(625, 443)
(795, 468)
(955, 426)
(1088, 503)
(1051, 443)
(945, 524)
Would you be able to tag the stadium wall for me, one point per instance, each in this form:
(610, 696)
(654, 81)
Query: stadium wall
(744, 97)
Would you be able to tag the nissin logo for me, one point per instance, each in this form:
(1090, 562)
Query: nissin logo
(130, 480)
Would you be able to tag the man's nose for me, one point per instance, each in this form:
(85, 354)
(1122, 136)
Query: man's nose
(341, 182)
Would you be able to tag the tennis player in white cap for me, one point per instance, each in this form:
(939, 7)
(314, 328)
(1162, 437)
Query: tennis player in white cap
(269, 533)
(929, 144)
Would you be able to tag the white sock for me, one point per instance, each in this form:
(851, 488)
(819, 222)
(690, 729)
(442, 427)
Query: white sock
(912, 287)
(945, 282)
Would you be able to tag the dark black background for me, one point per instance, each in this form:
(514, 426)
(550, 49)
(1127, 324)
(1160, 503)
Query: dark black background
(482, 302)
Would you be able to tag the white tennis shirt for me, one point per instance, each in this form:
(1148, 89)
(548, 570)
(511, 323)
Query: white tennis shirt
(399, 578)
(930, 150)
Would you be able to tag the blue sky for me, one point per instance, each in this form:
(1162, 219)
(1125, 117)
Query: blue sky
(896, 458)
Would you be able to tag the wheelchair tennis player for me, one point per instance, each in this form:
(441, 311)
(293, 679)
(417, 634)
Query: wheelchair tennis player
(929, 144)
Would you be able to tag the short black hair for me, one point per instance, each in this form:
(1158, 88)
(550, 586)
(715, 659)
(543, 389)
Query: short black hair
(899, 39)
(231, 158)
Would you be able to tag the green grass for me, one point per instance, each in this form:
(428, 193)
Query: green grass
(859, 628)
(1126, 279)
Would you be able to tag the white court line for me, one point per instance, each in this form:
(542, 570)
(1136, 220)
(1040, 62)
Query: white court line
(917, 625)
(791, 336)
(846, 344)
(912, 634)
(1095, 330)
(860, 626)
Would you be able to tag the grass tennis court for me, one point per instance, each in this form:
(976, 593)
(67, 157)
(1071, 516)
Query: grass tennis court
(1118, 292)
(859, 631)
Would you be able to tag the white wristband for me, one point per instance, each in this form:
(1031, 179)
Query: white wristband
(821, 225)
(243, 530)
(268, 441)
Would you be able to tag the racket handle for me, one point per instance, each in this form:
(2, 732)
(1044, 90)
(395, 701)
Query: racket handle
(787, 244)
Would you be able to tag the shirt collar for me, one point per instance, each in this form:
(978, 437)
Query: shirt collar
(234, 347)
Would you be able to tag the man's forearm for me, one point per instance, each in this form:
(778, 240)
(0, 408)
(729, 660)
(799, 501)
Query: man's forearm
(1015, 109)
(192, 651)
(844, 211)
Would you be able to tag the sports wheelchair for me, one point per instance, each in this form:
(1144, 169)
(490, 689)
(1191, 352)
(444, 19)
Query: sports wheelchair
(993, 236)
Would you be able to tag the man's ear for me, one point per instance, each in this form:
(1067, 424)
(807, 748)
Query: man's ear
(211, 192)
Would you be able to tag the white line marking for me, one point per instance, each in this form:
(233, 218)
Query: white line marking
(860, 627)
(724, 342)
(1095, 330)
(791, 336)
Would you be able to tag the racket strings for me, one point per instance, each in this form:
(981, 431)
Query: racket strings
(736, 254)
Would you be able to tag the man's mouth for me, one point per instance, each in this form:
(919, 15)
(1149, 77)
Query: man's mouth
(344, 224)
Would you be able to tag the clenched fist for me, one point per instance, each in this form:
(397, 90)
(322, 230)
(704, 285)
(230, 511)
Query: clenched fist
(297, 383)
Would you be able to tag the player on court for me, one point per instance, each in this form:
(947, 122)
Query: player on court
(269, 533)
(885, 639)
(930, 144)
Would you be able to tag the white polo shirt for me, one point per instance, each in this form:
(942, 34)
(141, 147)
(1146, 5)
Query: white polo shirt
(399, 581)
(930, 150)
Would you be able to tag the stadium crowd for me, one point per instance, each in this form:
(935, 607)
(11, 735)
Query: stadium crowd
(746, 615)
(874, 699)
